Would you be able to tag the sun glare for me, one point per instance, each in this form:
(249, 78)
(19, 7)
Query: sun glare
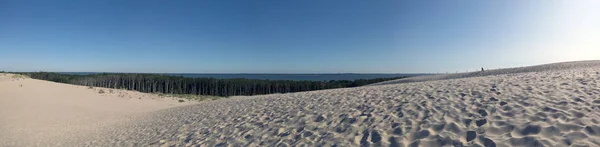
(576, 30)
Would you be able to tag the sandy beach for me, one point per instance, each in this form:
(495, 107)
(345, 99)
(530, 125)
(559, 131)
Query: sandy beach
(546, 105)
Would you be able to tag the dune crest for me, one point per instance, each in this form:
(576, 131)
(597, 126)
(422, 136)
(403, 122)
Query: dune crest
(526, 69)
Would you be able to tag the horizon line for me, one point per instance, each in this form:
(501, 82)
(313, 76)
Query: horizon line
(216, 73)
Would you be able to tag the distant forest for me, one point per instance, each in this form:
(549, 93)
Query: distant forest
(157, 83)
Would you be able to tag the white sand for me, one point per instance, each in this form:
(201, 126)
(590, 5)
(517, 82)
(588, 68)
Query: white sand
(556, 106)
(35, 112)
(537, 68)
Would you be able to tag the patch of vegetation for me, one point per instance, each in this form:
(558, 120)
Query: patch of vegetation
(101, 91)
(19, 76)
(181, 101)
(191, 96)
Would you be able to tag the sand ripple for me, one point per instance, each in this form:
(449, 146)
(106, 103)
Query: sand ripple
(546, 108)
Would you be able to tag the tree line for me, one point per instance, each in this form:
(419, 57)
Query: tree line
(158, 83)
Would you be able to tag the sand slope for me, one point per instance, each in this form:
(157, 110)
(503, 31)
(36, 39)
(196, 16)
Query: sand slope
(552, 107)
(536, 68)
(35, 112)
(558, 107)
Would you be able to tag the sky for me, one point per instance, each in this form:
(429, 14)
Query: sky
(294, 36)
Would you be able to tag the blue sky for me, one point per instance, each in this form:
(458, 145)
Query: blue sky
(295, 36)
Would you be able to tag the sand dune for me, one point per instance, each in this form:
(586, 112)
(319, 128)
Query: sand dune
(537, 68)
(35, 112)
(548, 105)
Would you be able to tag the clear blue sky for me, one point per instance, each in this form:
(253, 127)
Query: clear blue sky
(293, 36)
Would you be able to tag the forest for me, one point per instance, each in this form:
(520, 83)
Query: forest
(158, 83)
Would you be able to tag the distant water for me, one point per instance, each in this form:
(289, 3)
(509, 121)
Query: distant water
(295, 77)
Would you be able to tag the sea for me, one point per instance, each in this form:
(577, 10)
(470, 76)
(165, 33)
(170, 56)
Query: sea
(293, 77)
